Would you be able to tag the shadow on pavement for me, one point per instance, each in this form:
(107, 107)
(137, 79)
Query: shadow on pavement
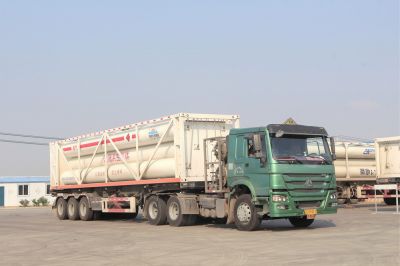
(266, 225)
(120, 217)
(279, 225)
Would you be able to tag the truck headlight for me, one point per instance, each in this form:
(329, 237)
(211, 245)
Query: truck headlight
(333, 196)
(279, 198)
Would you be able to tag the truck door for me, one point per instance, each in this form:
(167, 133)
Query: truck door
(250, 161)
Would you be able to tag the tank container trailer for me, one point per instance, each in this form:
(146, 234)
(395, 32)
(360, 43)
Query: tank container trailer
(355, 170)
(388, 165)
(179, 167)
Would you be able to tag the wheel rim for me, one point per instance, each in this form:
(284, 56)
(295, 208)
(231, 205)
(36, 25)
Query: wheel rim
(173, 211)
(71, 207)
(83, 209)
(153, 210)
(60, 208)
(243, 213)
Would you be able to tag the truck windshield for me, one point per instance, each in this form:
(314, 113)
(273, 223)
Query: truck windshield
(298, 149)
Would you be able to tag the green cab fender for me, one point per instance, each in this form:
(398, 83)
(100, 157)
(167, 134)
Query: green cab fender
(243, 183)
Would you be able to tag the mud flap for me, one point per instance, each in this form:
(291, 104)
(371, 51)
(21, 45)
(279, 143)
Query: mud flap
(231, 211)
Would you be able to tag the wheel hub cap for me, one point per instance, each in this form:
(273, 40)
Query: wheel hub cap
(83, 209)
(60, 208)
(71, 208)
(173, 211)
(244, 213)
(153, 210)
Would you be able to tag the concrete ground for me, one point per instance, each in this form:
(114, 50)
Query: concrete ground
(355, 236)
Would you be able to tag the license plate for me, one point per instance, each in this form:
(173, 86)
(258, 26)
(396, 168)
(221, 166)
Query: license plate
(311, 213)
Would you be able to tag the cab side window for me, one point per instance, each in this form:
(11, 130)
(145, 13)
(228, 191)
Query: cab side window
(240, 151)
(256, 147)
(251, 150)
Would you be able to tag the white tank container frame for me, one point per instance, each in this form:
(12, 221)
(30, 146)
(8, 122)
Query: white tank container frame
(388, 158)
(351, 157)
(175, 123)
(104, 138)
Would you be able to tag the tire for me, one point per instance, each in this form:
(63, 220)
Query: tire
(245, 214)
(73, 209)
(61, 209)
(174, 213)
(341, 201)
(156, 210)
(353, 201)
(85, 212)
(300, 222)
(390, 201)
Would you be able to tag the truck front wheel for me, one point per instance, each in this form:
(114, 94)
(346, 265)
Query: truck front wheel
(246, 217)
(300, 222)
(61, 206)
(73, 209)
(156, 209)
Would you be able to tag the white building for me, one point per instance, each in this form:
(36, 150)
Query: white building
(13, 189)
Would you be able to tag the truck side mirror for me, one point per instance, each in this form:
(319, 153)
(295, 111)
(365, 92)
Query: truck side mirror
(333, 149)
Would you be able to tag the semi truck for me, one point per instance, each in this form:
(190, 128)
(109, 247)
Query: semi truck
(185, 166)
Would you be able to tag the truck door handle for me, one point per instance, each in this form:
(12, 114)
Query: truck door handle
(246, 164)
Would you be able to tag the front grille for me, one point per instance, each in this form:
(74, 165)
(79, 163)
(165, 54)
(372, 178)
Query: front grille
(306, 190)
(306, 175)
(308, 204)
(312, 186)
(301, 183)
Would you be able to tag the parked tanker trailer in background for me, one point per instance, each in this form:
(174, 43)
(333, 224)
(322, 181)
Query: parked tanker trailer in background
(183, 166)
(388, 165)
(361, 165)
(355, 170)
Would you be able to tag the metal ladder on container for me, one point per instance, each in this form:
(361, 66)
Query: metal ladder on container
(214, 165)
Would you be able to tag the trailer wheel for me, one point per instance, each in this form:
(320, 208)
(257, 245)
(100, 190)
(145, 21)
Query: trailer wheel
(174, 213)
(245, 214)
(85, 212)
(341, 201)
(73, 209)
(61, 209)
(300, 222)
(156, 210)
(353, 201)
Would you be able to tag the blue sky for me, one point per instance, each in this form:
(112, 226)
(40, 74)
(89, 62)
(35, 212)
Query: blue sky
(73, 67)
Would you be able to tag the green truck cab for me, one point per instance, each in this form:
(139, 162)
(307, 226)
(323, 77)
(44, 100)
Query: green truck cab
(280, 171)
